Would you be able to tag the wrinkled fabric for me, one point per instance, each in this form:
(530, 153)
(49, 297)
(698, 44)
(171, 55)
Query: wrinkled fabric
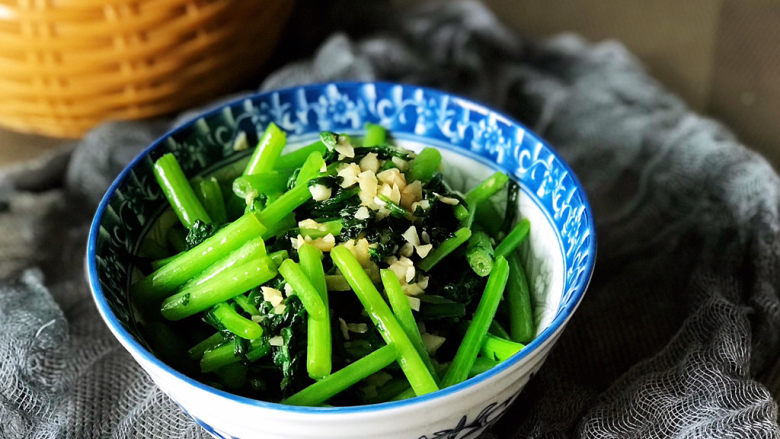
(678, 335)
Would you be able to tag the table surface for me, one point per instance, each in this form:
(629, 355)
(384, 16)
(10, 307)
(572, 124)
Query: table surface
(16, 147)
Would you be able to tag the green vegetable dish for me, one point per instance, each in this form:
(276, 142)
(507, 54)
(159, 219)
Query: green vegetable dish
(346, 272)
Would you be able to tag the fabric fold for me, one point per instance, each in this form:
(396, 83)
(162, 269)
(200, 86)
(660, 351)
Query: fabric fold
(680, 323)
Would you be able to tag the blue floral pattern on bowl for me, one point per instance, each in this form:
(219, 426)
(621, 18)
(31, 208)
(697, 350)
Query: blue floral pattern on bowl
(209, 142)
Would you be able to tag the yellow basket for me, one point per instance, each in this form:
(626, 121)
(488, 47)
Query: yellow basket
(66, 65)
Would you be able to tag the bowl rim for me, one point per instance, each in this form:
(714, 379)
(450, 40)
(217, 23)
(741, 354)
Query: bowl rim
(135, 348)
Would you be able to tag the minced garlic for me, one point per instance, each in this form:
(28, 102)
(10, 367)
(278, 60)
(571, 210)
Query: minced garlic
(272, 295)
(349, 173)
(391, 192)
(359, 249)
(423, 204)
(325, 243)
(403, 269)
(369, 163)
(402, 164)
(310, 224)
(412, 289)
(362, 213)
(423, 249)
(276, 340)
(357, 328)
(432, 342)
(447, 200)
(345, 149)
(414, 303)
(410, 235)
(411, 193)
(392, 176)
(344, 328)
(368, 187)
(320, 192)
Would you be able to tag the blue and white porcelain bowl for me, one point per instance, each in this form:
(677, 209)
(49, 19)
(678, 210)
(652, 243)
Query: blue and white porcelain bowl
(474, 140)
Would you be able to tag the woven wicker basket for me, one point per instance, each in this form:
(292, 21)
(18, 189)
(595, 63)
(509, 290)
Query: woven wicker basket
(66, 65)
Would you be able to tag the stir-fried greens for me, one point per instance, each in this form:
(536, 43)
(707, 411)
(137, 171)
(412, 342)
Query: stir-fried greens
(346, 272)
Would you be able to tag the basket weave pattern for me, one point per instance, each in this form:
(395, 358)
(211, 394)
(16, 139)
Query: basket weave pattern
(66, 65)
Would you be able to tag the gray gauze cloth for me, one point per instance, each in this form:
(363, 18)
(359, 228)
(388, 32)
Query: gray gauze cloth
(678, 335)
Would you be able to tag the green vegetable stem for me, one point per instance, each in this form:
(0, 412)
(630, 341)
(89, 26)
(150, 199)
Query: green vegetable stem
(225, 316)
(251, 250)
(487, 216)
(482, 364)
(227, 284)
(247, 187)
(210, 195)
(248, 307)
(213, 341)
(412, 365)
(446, 247)
(479, 253)
(319, 344)
(376, 135)
(514, 238)
(284, 205)
(519, 298)
(229, 353)
(403, 312)
(475, 334)
(497, 348)
(425, 165)
(464, 215)
(178, 191)
(332, 227)
(486, 189)
(294, 159)
(310, 297)
(275, 229)
(278, 257)
(341, 380)
(268, 150)
(311, 168)
(217, 357)
(190, 263)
